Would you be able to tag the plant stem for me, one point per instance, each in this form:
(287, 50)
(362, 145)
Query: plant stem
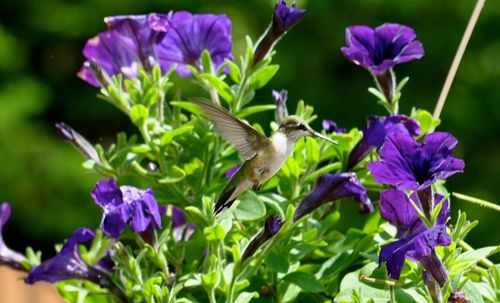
(458, 57)
(477, 201)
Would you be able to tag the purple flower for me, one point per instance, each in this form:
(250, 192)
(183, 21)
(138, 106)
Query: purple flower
(272, 226)
(280, 98)
(409, 165)
(417, 241)
(379, 49)
(180, 228)
(8, 257)
(230, 172)
(284, 18)
(189, 35)
(331, 187)
(68, 263)
(126, 205)
(375, 132)
(458, 296)
(128, 44)
(331, 127)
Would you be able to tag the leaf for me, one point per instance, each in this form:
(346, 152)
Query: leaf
(250, 207)
(306, 281)
(245, 297)
(277, 261)
(169, 136)
(234, 71)
(247, 111)
(427, 122)
(173, 174)
(211, 280)
(469, 258)
(139, 114)
(220, 86)
(472, 293)
(261, 77)
(186, 105)
(214, 233)
(312, 151)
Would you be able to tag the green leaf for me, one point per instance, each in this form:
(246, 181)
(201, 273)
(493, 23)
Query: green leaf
(220, 86)
(206, 61)
(141, 148)
(312, 151)
(139, 114)
(214, 233)
(211, 280)
(427, 122)
(277, 261)
(172, 174)
(186, 105)
(245, 297)
(261, 77)
(250, 207)
(306, 281)
(247, 111)
(169, 136)
(234, 71)
(469, 258)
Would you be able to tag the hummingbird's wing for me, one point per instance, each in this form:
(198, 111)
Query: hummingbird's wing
(246, 139)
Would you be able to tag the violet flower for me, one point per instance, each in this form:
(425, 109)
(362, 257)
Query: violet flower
(233, 170)
(280, 98)
(375, 132)
(68, 263)
(457, 296)
(8, 257)
(127, 45)
(331, 187)
(331, 127)
(181, 229)
(409, 165)
(126, 205)
(379, 49)
(272, 225)
(189, 35)
(284, 18)
(416, 241)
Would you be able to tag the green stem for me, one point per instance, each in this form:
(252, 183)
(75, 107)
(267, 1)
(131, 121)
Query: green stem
(477, 201)
(393, 294)
(241, 90)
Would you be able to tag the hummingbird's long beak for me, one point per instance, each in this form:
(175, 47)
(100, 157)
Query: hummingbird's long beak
(319, 135)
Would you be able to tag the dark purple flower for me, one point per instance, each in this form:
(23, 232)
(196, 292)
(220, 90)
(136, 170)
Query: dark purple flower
(272, 226)
(189, 35)
(417, 241)
(8, 257)
(375, 132)
(284, 18)
(331, 187)
(280, 98)
(458, 296)
(68, 263)
(331, 127)
(230, 172)
(379, 49)
(78, 141)
(128, 44)
(181, 229)
(126, 205)
(409, 165)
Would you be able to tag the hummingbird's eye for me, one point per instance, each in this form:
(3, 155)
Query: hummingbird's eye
(301, 127)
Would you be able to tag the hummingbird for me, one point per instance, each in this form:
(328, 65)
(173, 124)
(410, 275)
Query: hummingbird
(263, 156)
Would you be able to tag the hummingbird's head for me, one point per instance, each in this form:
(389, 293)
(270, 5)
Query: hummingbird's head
(295, 128)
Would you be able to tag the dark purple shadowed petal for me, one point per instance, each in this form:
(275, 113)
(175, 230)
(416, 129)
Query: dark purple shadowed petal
(181, 229)
(230, 172)
(189, 35)
(280, 97)
(272, 225)
(409, 165)
(331, 127)
(375, 132)
(331, 187)
(416, 247)
(8, 257)
(285, 17)
(380, 49)
(67, 264)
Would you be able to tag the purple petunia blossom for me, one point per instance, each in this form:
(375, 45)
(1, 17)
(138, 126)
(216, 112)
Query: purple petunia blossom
(284, 18)
(331, 187)
(181, 229)
(375, 132)
(233, 170)
(417, 241)
(8, 257)
(189, 35)
(128, 44)
(126, 205)
(379, 49)
(409, 165)
(280, 98)
(272, 226)
(331, 127)
(68, 264)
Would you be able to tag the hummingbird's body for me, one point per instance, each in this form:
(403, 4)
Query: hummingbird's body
(263, 156)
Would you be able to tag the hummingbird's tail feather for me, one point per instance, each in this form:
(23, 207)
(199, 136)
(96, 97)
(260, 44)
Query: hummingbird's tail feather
(226, 199)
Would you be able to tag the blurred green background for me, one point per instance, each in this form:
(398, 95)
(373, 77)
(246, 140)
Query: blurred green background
(40, 53)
